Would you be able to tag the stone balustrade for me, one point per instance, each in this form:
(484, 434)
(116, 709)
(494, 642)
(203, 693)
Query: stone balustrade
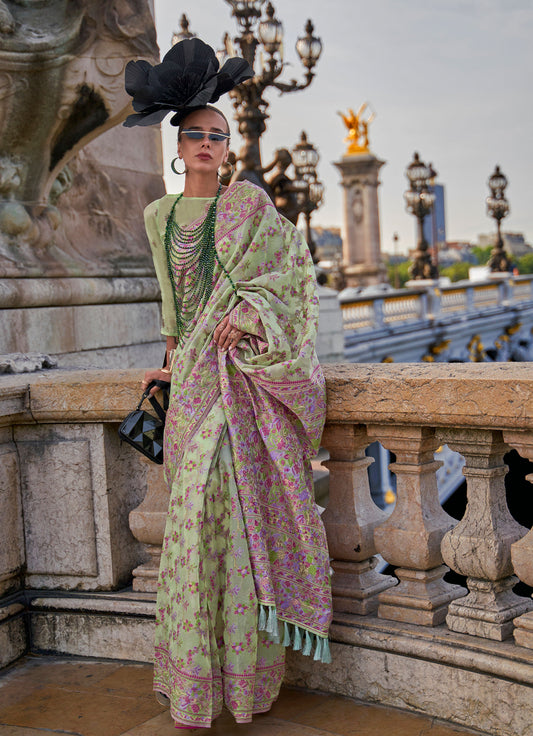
(380, 310)
(73, 495)
(472, 322)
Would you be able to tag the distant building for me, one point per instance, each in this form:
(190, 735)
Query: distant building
(514, 243)
(435, 222)
(328, 242)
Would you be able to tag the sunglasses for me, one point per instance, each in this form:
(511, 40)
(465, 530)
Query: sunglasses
(197, 135)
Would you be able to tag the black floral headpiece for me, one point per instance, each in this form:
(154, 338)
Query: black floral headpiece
(187, 78)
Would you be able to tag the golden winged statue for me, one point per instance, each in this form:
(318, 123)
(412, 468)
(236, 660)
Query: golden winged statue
(357, 124)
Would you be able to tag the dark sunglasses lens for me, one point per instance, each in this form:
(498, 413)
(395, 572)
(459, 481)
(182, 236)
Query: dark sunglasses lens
(218, 137)
(195, 135)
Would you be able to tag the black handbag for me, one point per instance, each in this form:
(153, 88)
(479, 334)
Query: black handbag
(144, 431)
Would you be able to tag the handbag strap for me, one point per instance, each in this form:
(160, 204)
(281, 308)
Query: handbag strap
(160, 410)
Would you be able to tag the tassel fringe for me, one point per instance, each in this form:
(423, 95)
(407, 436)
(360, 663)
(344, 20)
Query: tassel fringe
(300, 638)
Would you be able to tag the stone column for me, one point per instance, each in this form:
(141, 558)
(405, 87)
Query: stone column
(522, 551)
(361, 246)
(411, 537)
(147, 524)
(480, 545)
(350, 519)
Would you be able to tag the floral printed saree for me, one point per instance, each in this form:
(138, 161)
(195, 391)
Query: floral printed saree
(244, 569)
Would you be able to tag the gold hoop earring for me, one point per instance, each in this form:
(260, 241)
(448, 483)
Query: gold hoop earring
(174, 168)
(226, 175)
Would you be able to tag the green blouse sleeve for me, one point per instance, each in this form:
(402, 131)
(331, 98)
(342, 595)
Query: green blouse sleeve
(168, 314)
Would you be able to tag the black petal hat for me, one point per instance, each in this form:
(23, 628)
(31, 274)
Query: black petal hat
(187, 78)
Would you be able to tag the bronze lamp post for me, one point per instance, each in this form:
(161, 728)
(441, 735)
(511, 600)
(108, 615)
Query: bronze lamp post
(264, 32)
(498, 208)
(419, 201)
(305, 158)
(248, 98)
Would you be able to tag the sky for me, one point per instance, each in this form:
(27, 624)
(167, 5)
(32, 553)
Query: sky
(451, 79)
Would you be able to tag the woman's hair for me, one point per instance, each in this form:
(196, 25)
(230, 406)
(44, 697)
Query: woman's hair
(205, 107)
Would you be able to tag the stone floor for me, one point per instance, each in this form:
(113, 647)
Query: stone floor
(53, 695)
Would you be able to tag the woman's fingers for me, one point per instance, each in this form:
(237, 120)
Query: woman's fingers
(226, 336)
(221, 330)
(150, 376)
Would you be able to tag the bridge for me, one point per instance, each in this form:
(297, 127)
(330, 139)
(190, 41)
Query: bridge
(463, 322)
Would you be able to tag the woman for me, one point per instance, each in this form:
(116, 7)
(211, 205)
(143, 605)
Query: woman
(244, 567)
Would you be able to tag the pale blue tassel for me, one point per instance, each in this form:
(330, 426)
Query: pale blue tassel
(272, 622)
(286, 635)
(308, 644)
(326, 654)
(262, 618)
(318, 649)
(297, 644)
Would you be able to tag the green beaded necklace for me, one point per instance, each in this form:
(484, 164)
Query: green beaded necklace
(191, 256)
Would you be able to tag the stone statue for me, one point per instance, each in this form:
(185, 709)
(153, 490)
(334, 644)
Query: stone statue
(357, 124)
(61, 85)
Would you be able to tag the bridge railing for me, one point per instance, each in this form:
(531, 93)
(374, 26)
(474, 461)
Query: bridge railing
(369, 312)
(412, 410)
(74, 527)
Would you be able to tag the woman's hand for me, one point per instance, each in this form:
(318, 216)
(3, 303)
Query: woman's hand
(150, 376)
(226, 336)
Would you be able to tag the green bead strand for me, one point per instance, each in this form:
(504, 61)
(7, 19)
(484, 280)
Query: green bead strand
(191, 253)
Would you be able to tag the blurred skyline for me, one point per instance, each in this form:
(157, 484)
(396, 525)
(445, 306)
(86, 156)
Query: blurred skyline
(449, 79)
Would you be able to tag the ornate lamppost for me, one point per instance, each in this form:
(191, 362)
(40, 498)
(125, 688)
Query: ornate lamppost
(305, 158)
(419, 201)
(184, 33)
(248, 100)
(266, 34)
(498, 208)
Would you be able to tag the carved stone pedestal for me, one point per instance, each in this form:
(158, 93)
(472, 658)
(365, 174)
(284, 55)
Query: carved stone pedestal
(522, 551)
(523, 633)
(350, 519)
(147, 523)
(480, 545)
(422, 597)
(361, 247)
(410, 538)
(488, 610)
(356, 585)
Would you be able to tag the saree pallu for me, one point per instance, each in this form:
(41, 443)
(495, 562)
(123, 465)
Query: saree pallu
(244, 568)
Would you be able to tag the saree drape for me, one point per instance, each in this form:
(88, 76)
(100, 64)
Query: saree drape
(245, 568)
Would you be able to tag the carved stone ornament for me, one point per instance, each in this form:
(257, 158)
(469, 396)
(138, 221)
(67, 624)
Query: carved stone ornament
(358, 206)
(61, 86)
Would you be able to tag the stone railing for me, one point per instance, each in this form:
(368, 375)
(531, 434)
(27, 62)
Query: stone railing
(427, 304)
(490, 320)
(414, 640)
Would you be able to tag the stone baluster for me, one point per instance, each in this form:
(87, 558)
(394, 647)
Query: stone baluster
(350, 519)
(410, 538)
(522, 551)
(480, 545)
(147, 524)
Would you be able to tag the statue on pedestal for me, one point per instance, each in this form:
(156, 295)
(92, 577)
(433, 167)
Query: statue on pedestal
(357, 124)
(361, 248)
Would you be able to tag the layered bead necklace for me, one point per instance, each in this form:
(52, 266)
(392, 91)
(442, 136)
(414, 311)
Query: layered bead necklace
(191, 256)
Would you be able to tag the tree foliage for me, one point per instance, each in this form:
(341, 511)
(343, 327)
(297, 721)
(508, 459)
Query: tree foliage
(482, 254)
(525, 263)
(403, 273)
(457, 271)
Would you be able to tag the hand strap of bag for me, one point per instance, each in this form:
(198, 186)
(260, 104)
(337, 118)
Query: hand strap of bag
(159, 410)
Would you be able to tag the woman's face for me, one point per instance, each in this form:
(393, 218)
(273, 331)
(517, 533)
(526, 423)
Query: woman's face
(203, 156)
